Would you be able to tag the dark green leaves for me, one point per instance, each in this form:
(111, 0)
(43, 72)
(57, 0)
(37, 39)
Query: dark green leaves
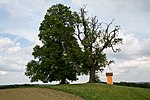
(56, 59)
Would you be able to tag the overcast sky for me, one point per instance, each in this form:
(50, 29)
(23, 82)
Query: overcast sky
(19, 25)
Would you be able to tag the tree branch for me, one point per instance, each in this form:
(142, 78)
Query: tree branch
(109, 26)
(83, 12)
(108, 37)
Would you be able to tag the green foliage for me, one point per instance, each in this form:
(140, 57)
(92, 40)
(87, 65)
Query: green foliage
(97, 80)
(57, 58)
(72, 44)
(132, 84)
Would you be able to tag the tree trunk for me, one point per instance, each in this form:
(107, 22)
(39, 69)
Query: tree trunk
(92, 74)
(64, 81)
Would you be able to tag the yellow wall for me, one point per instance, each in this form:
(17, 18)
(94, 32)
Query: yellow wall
(109, 80)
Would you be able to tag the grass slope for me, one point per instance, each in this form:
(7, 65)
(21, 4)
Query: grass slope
(99, 91)
(35, 94)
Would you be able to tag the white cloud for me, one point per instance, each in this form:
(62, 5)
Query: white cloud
(130, 44)
(145, 48)
(78, 2)
(4, 42)
(132, 61)
(8, 46)
(31, 35)
(23, 8)
(14, 49)
(24, 17)
(3, 73)
(13, 57)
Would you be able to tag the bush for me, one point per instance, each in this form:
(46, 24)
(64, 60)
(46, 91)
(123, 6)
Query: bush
(97, 80)
(141, 85)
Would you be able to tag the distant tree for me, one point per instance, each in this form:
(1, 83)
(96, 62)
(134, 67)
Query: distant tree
(57, 59)
(94, 38)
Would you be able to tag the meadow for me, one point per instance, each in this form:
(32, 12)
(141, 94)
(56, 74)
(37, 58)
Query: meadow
(98, 91)
(87, 91)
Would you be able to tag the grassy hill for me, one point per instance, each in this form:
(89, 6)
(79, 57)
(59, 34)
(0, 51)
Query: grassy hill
(88, 91)
(99, 91)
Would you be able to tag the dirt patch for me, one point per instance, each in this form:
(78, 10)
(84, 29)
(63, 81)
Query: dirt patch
(35, 94)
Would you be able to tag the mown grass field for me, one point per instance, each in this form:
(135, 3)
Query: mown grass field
(88, 91)
(98, 91)
(35, 94)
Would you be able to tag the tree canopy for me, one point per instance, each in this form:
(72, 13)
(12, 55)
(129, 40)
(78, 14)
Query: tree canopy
(56, 59)
(73, 44)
